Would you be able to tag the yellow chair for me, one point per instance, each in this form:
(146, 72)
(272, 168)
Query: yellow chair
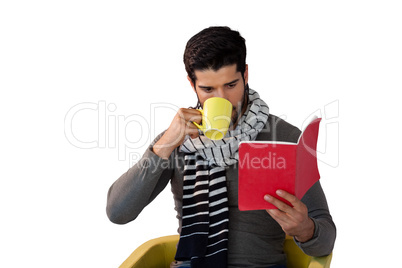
(160, 252)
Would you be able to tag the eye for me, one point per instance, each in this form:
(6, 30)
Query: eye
(231, 85)
(207, 89)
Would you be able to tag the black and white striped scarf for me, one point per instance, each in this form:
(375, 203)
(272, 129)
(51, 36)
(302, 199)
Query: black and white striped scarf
(205, 216)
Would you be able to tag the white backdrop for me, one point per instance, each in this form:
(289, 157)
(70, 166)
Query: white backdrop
(85, 85)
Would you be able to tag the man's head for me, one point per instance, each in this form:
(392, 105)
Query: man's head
(215, 61)
(213, 48)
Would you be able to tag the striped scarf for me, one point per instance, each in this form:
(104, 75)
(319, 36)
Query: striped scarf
(205, 216)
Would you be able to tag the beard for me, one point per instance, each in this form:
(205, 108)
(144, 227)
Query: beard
(235, 116)
(238, 111)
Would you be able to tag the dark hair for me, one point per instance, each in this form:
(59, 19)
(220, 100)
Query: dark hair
(214, 48)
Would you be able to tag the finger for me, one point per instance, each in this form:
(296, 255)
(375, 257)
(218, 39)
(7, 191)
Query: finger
(280, 217)
(277, 214)
(189, 118)
(290, 198)
(190, 113)
(278, 203)
(194, 135)
(190, 126)
(192, 130)
(299, 211)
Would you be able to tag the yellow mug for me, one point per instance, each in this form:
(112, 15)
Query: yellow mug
(216, 118)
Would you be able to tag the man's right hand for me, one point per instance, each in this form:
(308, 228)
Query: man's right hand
(181, 125)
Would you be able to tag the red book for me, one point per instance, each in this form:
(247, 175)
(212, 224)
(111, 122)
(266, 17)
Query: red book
(265, 167)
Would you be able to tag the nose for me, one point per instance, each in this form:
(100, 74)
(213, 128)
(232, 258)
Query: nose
(220, 92)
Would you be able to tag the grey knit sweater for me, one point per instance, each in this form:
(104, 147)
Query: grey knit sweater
(255, 239)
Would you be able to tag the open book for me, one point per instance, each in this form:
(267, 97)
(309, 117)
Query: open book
(265, 167)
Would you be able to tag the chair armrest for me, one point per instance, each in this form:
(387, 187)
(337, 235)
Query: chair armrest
(320, 262)
(158, 252)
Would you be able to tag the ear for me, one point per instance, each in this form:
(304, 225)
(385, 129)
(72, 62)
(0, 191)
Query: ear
(246, 75)
(191, 83)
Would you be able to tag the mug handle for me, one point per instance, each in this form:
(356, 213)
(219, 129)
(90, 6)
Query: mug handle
(197, 125)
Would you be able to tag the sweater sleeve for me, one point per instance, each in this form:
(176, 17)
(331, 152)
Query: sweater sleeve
(322, 242)
(136, 188)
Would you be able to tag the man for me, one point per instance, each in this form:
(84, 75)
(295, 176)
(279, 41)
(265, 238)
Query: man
(203, 173)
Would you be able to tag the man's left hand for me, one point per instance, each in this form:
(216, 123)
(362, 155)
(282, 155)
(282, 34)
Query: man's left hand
(293, 220)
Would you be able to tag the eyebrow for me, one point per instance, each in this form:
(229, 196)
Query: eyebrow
(232, 82)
